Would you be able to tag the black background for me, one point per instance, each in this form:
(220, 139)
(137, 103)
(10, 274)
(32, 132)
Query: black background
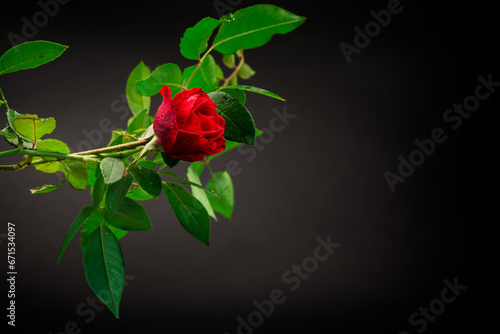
(322, 175)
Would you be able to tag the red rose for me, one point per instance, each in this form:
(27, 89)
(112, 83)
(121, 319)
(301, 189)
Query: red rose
(188, 126)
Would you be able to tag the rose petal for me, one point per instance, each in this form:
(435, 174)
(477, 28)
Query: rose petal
(165, 124)
(191, 143)
(188, 126)
(184, 111)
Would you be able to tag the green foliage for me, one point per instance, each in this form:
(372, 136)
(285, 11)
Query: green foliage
(204, 77)
(193, 174)
(121, 174)
(112, 170)
(251, 89)
(240, 126)
(84, 214)
(189, 182)
(190, 211)
(129, 216)
(245, 71)
(117, 232)
(194, 41)
(29, 55)
(222, 185)
(253, 27)
(116, 193)
(49, 167)
(136, 101)
(32, 127)
(228, 60)
(171, 162)
(139, 194)
(168, 74)
(140, 122)
(75, 172)
(104, 267)
(13, 139)
(92, 170)
(238, 94)
(52, 145)
(46, 188)
(147, 179)
(98, 189)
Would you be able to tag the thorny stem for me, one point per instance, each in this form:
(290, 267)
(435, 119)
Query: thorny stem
(9, 153)
(116, 151)
(114, 148)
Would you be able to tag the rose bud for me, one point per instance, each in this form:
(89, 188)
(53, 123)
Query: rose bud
(188, 127)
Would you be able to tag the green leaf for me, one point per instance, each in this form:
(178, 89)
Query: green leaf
(46, 188)
(193, 174)
(218, 73)
(149, 133)
(238, 94)
(104, 267)
(116, 192)
(49, 167)
(75, 172)
(92, 170)
(13, 139)
(95, 220)
(233, 81)
(171, 162)
(190, 211)
(253, 27)
(149, 180)
(228, 60)
(117, 137)
(168, 74)
(240, 126)
(194, 41)
(129, 216)
(136, 101)
(205, 76)
(251, 89)
(90, 224)
(32, 127)
(141, 121)
(245, 71)
(188, 182)
(29, 55)
(52, 145)
(118, 232)
(84, 214)
(158, 158)
(11, 116)
(139, 194)
(148, 164)
(222, 185)
(98, 190)
(112, 170)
